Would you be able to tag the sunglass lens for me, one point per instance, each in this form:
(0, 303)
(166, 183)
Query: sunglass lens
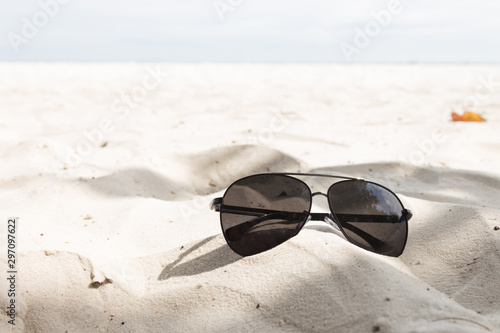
(370, 215)
(262, 211)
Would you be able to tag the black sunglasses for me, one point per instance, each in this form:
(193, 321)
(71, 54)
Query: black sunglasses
(262, 211)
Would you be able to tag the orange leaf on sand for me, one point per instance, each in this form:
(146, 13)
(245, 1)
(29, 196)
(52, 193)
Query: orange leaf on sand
(467, 116)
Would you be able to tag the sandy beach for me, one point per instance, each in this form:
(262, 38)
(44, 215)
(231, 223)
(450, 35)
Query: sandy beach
(110, 168)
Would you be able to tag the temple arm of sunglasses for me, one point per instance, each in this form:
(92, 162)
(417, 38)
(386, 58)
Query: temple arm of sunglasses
(236, 232)
(216, 205)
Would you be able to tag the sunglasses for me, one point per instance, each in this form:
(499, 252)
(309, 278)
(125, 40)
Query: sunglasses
(262, 211)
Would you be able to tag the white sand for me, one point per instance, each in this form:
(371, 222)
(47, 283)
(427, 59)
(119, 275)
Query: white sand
(133, 215)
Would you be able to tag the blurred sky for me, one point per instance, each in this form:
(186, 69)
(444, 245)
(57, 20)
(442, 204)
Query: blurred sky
(449, 31)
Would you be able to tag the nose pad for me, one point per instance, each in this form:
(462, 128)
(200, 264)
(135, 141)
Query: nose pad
(331, 223)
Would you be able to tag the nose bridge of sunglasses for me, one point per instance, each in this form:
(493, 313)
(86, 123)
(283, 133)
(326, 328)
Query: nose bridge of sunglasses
(321, 204)
(318, 193)
(322, 217)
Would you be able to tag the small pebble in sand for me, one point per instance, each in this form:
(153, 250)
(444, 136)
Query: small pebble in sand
(88, 217)
(95, 284)
(496, 228)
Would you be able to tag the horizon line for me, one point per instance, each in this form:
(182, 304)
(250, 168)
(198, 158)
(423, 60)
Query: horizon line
(262, 62)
